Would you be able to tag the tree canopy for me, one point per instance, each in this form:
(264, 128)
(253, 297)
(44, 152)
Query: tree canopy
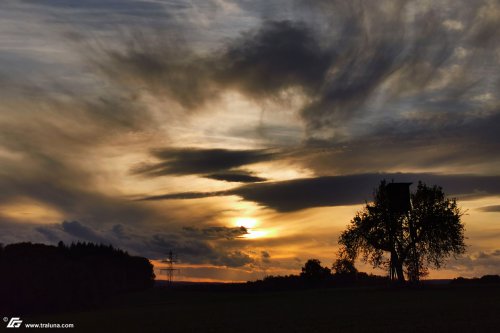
(425, 233)
(313, 271)
(344, 267)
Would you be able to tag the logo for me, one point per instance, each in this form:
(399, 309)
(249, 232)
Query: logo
(14, 322)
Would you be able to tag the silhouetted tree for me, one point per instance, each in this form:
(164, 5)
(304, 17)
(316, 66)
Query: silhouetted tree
(426, 234)
(344, 266)
(344, 270)
(314, 272)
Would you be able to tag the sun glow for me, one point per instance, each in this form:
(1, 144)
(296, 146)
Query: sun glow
(246, 222)
(250, 224)
(252, 234)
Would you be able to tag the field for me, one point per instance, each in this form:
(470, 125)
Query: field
(429, 309)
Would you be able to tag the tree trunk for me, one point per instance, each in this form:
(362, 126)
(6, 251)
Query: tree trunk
(397, 265)
(399, 271)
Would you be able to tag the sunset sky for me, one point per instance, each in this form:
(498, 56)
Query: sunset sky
(244, 135)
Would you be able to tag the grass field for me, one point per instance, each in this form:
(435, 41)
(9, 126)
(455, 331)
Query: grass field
(430, 309)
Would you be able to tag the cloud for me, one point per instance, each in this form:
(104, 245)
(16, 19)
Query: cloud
(216, 232)
(183, 195)
(297, 194)
(49, 233)
(236, 176)
(196, 251)
(119, 231)
(235, 259)
(84, 12)
(425, 142)
(476, 264)
(13, 232)
(265, 257)
(216, 163)
(128, 6)
(165, 69)
(261, 63)
(66, 189)
(80, 231)
(492, 254)
(192, 249)
(273, 58)
(374, 47)
(490, 209)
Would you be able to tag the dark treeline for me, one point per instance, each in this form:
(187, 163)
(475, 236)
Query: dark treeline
(485, 279)
(291, 282)
(344, 274)
(38, 277)
(314, 275)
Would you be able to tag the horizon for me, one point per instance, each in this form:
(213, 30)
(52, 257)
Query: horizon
(244, 135)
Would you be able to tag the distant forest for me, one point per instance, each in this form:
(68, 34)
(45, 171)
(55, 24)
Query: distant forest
(38, 277)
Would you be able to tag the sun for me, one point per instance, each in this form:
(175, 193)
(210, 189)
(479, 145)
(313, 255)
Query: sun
(247, 222)
(250, 225)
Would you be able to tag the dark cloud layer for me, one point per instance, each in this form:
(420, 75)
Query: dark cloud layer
(347, 190)
(277, 56)
(184, 195)
(236, 176)
(78, 230)
(219, 164)
(216, 232)
(297, 194)
(177, 161)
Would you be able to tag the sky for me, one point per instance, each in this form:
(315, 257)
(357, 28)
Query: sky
(244, 135)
